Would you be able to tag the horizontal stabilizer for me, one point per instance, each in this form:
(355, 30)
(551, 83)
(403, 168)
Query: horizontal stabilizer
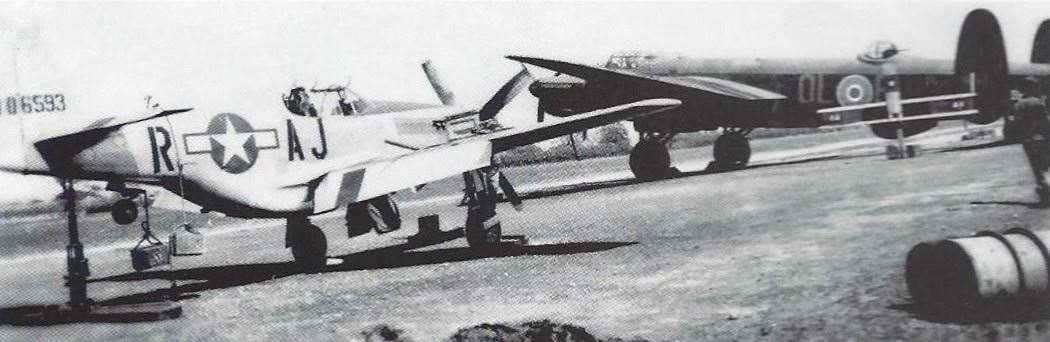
(962, 114)
(106, 123)
(938, 98)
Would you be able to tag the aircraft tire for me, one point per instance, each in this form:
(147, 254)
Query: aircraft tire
(310, 247)
(650, 160)
(478, 235)
(732, 151)
(124, 211)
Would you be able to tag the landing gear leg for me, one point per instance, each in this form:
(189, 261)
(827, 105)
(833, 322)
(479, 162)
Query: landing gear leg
(482, 228)
(649, 158)
(308, 242)
(732, 150)
(76, 264)
(80, 308)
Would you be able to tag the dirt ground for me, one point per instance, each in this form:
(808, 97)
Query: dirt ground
(806, 250)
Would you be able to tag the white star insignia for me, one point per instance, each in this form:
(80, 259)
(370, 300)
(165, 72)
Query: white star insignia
(232, 143)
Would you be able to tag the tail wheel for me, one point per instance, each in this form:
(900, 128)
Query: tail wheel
(732, 150)
(483, 228)
(309, 247)
(124, 211)
(650, 160)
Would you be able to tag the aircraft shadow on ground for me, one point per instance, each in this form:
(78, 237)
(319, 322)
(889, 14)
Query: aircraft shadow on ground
(976, 147)
(1030, 205)
(590, 186)
(1006, 312)
(196, 280)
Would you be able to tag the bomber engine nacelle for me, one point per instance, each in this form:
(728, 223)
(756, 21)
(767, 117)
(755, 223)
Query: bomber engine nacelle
(562, 96)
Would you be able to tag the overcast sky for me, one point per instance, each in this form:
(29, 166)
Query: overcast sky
(243, 56)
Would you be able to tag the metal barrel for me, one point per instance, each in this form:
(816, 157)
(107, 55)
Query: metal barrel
(987, 267)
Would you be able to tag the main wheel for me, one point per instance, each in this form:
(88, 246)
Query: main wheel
(124, 211)
(732, 151)
(650, 160)
(309, 247)
(483, 229)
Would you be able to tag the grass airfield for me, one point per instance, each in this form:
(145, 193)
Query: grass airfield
(804, 245)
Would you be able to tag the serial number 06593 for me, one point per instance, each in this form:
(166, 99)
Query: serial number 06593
(34, 104)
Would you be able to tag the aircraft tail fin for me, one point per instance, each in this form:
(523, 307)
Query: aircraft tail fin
(982, 52)
(443, 93)
(1041, 44)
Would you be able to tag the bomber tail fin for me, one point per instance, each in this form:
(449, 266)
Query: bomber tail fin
(981, 51)
(1041, 44)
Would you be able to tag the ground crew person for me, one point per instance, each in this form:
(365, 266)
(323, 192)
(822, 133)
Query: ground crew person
(1030, 110)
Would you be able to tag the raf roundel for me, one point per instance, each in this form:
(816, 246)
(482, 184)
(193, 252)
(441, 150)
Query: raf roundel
(232, 142)
(854, 90)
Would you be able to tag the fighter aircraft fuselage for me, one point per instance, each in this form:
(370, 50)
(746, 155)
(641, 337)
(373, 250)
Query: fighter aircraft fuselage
(242, 164)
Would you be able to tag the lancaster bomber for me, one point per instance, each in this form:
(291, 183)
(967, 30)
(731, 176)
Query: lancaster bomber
(738, 95)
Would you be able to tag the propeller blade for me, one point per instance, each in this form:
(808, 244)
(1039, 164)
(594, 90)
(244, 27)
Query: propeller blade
(505, 93)
(446, 96)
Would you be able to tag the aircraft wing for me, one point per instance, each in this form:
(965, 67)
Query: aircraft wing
(365, 179)
(673, 85)
(514, 137)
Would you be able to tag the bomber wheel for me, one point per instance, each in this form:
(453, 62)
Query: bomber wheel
(732, 151)
(481, 237)
(650, 160)
(310, 247)
(124, 211)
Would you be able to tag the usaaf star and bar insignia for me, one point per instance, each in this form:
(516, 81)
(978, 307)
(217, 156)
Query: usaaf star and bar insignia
(232, 142)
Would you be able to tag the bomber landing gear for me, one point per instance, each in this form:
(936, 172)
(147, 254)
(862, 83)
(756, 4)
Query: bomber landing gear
(482, 230)
(649, 158)
(308, 243)
(732, 150)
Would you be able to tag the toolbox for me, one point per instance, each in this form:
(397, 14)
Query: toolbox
(149, 253)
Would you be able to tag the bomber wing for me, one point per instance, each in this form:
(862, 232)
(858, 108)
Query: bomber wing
(365, 178)
(695, 85)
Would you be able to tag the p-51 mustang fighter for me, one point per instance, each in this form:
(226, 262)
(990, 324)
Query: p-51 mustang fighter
(291, 162)
(739, 95)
